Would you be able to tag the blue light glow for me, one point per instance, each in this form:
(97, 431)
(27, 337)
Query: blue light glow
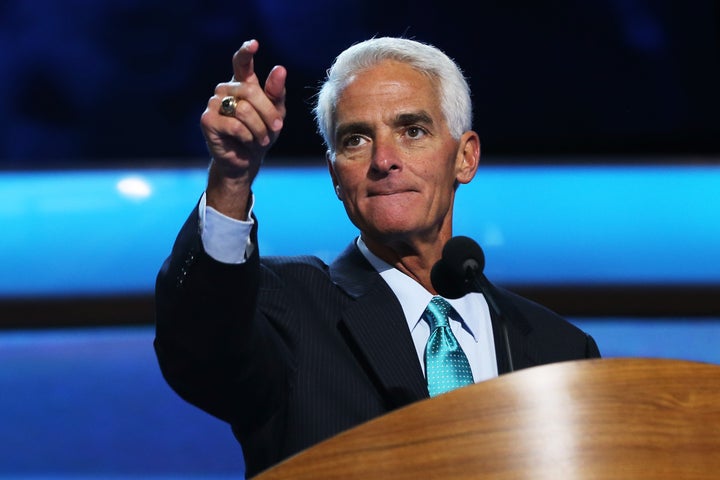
(108, 231)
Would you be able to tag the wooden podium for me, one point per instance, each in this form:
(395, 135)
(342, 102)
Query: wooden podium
(587, 419)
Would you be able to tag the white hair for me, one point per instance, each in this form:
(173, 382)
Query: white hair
(452, 86)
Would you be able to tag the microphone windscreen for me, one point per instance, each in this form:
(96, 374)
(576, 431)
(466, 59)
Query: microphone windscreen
(445, 282)
(461, 253)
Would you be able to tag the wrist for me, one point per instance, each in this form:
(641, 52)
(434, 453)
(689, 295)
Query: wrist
(229, 192)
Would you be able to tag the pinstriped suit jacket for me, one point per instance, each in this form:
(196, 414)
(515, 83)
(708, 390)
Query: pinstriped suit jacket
(290, 351)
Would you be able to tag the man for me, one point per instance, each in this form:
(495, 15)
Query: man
(291, 351)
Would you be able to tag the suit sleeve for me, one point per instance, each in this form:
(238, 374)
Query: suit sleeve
(212, 346)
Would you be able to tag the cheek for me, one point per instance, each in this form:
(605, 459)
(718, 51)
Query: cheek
(348, 175)
(441, 177)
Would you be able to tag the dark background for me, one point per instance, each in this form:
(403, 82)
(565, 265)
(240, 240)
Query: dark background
(96, 83)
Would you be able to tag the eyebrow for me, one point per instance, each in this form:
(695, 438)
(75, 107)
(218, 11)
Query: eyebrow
(362, 128)
(421, 117)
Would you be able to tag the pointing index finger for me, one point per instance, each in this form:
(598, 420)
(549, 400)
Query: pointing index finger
(243, 65)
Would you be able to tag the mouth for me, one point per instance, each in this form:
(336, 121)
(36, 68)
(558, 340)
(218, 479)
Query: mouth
(387, 191)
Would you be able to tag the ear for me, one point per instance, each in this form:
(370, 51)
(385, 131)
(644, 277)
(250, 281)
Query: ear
(468, 157)
(333, 176)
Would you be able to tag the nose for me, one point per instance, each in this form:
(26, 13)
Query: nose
(385, 156)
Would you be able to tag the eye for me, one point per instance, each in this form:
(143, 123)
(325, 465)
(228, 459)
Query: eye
(415, 132)
(353, 141)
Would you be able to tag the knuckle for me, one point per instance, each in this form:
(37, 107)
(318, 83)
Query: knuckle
(253, 89)
(205, 119)
(243, 107)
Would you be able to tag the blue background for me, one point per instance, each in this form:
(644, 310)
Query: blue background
(108, 231)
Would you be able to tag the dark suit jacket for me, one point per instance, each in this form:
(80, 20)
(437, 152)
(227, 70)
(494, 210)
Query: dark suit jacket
(290, 351)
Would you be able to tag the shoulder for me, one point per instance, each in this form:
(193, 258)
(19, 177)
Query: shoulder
(292, 269)
(552, 333)
(293, 262)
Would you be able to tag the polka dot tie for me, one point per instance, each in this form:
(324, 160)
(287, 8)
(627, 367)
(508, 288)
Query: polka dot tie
(446, 365)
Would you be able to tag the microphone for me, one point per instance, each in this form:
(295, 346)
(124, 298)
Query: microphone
(460, 271)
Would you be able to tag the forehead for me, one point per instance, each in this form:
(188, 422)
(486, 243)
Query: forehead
(388, 85)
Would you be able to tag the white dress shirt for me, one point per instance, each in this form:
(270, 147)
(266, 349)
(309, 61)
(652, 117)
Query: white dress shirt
(472, 328)
(228, 240)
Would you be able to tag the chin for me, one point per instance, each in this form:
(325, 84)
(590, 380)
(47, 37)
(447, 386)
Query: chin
(388, 233)
(393, 223)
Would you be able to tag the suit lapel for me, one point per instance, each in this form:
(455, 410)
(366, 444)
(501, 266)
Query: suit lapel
(376, 324)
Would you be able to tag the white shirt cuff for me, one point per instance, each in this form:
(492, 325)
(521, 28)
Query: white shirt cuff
(225, 239)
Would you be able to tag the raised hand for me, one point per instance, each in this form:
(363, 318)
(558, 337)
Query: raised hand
(239, 138)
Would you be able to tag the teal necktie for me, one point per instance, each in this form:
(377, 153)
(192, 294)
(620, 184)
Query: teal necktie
(446, 365)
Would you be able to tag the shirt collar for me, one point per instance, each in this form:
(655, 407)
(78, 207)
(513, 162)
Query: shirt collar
(414, 298)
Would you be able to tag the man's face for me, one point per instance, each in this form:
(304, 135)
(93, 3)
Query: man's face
(396, 163)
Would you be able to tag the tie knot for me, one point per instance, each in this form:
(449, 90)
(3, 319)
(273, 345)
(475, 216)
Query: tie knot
(437, 312)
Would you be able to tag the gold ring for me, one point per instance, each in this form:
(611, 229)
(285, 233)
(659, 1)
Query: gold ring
(227, 106)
